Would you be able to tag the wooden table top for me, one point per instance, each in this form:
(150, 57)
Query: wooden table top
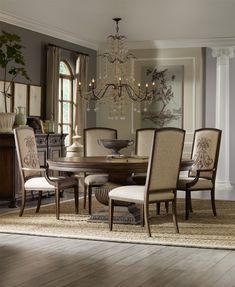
(107, 165)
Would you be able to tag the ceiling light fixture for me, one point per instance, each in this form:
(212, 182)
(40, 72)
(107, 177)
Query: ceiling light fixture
(116, 83)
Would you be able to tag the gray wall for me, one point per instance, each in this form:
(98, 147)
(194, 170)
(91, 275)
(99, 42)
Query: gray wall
(210, 99)
(35, 55)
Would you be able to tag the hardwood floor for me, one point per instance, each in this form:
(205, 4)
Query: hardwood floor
(27, 261)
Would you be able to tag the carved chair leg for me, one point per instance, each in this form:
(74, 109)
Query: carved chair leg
(190, 202)
(146, 219)
(39, 201)
(174, 215)
(213, 201)
(85, 195)
(187, 204)
(111, 208)
(57, 198)
(158, 205)
(76, 198)
(89, 198)
(22, 202)
(142, 215)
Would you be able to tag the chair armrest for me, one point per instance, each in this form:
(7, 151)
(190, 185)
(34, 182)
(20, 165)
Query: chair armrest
(33, 169)
(199, 171)
(41, 170)
(198, 176)
(62, 181)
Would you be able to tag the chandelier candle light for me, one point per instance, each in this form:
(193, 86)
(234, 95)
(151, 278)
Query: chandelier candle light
(117, 85)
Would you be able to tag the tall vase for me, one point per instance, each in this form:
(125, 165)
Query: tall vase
(20, 119)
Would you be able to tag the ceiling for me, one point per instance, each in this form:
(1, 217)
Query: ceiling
(89, 22)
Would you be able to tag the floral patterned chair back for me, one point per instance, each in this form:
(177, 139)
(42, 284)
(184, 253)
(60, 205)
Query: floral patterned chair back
(205, 151)
(27, 154)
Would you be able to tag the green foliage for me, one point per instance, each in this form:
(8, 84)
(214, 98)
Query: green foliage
(11, 60)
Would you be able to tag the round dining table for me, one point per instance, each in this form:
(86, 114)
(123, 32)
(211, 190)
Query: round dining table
(110, 165)
(119, 169)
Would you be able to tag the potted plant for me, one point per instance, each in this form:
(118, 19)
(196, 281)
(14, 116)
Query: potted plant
(12, 64)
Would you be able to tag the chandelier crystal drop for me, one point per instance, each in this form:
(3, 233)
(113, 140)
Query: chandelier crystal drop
(116, 83)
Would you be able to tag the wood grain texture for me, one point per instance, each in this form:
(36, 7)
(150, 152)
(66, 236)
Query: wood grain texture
(27, 261)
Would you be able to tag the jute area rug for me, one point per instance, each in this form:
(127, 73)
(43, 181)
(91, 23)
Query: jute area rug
(201, 230)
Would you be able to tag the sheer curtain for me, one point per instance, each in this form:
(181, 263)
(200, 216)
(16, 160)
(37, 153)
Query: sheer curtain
(52, 87)
(81, 76)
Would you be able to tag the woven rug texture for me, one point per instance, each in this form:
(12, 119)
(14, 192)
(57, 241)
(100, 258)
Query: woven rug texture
(201, 230)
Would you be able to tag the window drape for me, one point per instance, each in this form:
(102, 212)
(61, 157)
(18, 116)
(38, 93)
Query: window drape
(52, 87)
(81, 76)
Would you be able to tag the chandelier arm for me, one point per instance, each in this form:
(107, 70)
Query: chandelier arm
(139, 96)
(101, 93)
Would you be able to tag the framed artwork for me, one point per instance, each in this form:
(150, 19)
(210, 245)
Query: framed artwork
(166, 108)
(35, 96)
(20, 96)
(2, 99)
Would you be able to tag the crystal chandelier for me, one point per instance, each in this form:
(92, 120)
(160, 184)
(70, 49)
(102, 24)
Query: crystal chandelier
(116, 85)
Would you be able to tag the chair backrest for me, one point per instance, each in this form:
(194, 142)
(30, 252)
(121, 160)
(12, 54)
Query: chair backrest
(26, 149)
(165, 159)
(91, 136)
(205, 151)
(143, 141)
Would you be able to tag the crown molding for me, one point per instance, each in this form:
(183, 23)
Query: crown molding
(46, 30)
(66, 36)
(184, 43)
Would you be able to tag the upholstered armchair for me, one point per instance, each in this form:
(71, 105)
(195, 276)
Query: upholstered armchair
(93, 148)
(162, 176)
(205, 153)
(33, 177)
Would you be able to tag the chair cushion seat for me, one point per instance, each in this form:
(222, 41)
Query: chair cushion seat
(202, 183)
(38, 183)
(135, 193)
(96, 179)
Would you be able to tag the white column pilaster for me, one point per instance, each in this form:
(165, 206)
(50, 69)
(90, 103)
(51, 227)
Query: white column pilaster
(222, 111)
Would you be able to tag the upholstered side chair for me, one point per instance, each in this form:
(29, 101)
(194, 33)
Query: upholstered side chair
(33, 177)
(143, 145)
(93, 148)
(205, 153)
(162, 176)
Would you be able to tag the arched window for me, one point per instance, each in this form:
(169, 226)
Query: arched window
(66, 101)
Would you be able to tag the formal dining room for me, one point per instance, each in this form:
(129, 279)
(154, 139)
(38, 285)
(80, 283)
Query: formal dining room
(117, 160)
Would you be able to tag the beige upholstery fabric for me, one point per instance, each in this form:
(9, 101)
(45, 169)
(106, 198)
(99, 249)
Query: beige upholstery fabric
(96, 179)
(39, 183)
(33, 177)
(162, 177)
(166, 160)
(144, 140)
(91, 137)
(93, 148)
(28, 151)
(135, 193)
(204, 151)
(201, 184)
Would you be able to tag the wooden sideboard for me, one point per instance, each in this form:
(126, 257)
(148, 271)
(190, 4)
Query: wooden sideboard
(49, 146)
